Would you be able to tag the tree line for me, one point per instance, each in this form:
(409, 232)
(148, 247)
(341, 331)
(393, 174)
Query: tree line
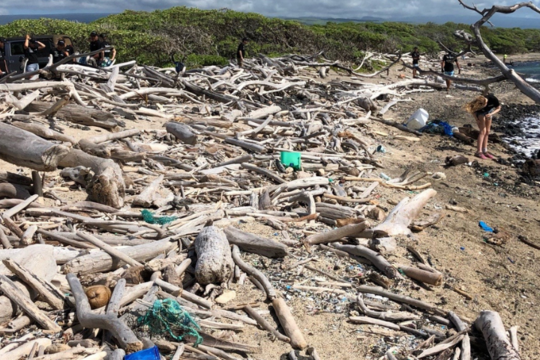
(208, 37)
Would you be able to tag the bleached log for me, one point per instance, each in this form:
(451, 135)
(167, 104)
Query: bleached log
(264, 112)
(401, 217)
(214, 261)
(118, 255)
(337, 234)
(428, 277)
(102, 262)
(374, 257)
(26, 149)
(107, 185)
(23, 350)
(498, 345)
(465, 352)
(255, 244)
(44, 132)
(146, 197)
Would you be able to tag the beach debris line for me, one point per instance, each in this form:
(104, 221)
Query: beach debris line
(164, 255)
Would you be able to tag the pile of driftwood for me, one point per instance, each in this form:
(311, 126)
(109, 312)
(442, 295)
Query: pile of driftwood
(214, 164)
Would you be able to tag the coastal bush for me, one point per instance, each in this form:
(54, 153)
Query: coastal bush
(205, 37)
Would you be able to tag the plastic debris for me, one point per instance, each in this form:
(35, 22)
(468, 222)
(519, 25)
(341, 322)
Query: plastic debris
(146, 354)
(167, 317)
(385, 177)
(160, 220)
(485, 226)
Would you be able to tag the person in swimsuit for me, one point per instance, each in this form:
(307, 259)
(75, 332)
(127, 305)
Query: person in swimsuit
(415, 60)
(483, 108)
(447, 65)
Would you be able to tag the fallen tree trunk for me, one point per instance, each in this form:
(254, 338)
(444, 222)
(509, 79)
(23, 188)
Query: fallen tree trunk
(214, 261)
(401, 217)
(255, 244)
(498, 345)
(80, 115)
(102, 262)
(107, 185)
(23, 148)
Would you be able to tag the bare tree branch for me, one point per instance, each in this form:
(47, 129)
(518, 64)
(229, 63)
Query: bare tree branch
(510, 74)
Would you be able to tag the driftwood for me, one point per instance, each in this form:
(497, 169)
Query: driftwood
(498, 345)
(401, 217)
(337, 234)
(465, 352)
(375, 258)
(268, 288)
(255, 244)
(127, 339)
(214, 261)
(27, 149)
(181, 132)
(288, 324)
(428, 277)
(265, 324)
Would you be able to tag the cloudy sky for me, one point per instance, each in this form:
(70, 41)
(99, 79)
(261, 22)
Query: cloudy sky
(290, 8)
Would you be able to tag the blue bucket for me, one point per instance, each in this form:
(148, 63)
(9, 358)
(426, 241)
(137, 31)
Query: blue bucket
(147, 354)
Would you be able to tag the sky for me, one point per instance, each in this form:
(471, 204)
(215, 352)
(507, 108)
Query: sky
(278, 8)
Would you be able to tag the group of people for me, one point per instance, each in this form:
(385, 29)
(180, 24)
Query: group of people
(482, 108)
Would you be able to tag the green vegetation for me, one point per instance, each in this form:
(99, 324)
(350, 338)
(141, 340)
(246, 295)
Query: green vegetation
(200, 37)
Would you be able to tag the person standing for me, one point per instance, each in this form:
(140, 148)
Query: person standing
(3, 64)
(415, 60)
(483, 108)
(95, 44)
(2, 47)
(241, 52)
(447, 65)
(505, 57)
(31, 47)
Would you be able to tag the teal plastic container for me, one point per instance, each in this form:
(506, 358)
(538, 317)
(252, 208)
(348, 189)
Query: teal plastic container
(291, 159)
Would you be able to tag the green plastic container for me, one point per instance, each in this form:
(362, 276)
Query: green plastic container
(291, 159)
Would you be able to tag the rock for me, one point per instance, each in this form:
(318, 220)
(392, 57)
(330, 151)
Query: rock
(227, 296)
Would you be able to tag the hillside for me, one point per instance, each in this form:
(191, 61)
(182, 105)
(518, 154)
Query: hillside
(204, 37)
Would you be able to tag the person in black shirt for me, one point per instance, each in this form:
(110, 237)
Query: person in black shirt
(241, 52)
(483, 108)
(95, 44)
(447, 65)
(109, 52)
(2, 45)
(31, 47)
(61, 51)
(415, 60)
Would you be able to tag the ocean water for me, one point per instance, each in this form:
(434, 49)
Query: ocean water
(530, 125)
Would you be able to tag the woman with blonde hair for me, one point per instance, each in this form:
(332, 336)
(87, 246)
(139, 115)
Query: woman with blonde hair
(483, 108)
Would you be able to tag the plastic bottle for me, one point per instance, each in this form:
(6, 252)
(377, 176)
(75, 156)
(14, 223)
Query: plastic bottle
(418, 120)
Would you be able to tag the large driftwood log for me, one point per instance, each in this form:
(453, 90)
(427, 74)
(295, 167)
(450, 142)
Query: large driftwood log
(80, 115)
(102, 262)
(23, 148)
(181, 132)
(214, 262)
(288, 324)
(44, 132)
(401, 217)
(498, 345)
(121, 332)
(107, 185)
(255, 244)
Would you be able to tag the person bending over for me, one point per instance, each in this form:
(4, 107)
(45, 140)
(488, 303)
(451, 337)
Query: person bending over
(447, 65)
(482, 109)
(31, 47)
(415, 60)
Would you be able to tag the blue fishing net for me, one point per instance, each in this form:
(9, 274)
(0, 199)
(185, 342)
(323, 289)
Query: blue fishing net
(166, 317)
(160, 220)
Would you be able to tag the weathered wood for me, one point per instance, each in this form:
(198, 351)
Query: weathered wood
(401, 217)
(375, 258)
(399, 298)
(27, 149)
(255, 244)
(465, 352)
(13, 191)
(118, 255)
(335, 212)
(181, 132)
(6, 176)
(80, 115)
(26, 304)
(44, 132)
(123, 334)
(428, 277)
(147, 196)
(337, 234)
(288, 323)
(48, 292)
(246, 145)
(107, 185)
(498, 345)
(101, 261)
(214, 261)
(259, 276)
(265, 324)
